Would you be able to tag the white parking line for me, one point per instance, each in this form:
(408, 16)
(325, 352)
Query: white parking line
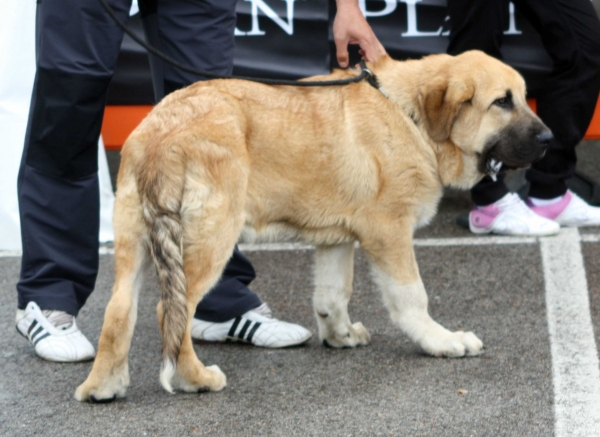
(421, 242)
(473, 241)
(590, 238)
(10, 253)
(575, 366)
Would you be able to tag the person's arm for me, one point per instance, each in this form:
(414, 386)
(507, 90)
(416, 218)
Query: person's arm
(351, 27)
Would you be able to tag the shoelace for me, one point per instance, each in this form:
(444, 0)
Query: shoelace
(59, 319)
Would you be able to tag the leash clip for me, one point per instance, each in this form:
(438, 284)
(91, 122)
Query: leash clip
(364, 68)
(372, 79)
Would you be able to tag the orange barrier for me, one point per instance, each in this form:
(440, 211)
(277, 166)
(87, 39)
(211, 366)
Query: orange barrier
(593, 132)
(120, 121)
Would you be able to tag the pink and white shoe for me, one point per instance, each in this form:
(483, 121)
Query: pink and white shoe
(510, 216)
(568, 210)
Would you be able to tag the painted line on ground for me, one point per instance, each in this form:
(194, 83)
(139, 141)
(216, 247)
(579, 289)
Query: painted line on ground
(419, 242)
(590, 238)
(10, 253)
(575, 365)
(473, 241)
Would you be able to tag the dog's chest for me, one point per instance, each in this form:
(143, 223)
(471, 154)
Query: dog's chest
(427, 211)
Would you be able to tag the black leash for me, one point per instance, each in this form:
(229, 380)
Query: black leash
(364, 74)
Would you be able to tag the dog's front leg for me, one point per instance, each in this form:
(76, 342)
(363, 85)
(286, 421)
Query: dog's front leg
(396, 272)
(334, 267)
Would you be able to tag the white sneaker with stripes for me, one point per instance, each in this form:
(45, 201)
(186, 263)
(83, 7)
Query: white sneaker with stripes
(256, 327)
(54, 334)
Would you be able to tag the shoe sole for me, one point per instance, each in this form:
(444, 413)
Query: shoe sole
(20, 333)
(516, 235)
(595, 225)
(507, 234)
(244, 343)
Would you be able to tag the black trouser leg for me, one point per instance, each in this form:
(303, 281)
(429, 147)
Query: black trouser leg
(200, 35)
(570, 31)
(488, 191)
(478, 25)
(77, 46)
(231, 297)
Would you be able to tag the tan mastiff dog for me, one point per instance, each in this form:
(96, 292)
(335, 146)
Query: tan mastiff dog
(333, 165)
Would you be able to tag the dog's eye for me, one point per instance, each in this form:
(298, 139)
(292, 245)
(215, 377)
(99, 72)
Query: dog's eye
(504, 102)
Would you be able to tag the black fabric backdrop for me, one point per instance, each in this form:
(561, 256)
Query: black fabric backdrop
(297, 42)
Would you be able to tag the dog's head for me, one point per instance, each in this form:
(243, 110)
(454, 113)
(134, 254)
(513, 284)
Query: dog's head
(478, 103)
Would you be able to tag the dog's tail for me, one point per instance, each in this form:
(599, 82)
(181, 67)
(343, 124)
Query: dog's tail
(162, 191)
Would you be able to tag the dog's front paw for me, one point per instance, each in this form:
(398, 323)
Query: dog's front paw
(102, 391)
(355, 335)
(453, 345)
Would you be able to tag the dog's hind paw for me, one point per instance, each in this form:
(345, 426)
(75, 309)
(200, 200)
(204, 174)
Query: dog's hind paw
(209, 378)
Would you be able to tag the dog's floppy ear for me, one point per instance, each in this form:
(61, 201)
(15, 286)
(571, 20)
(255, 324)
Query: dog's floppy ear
(440, 101)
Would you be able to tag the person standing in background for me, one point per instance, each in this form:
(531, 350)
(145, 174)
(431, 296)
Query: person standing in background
(570, 32)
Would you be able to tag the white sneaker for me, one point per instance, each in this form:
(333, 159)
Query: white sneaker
(510, 216)
(569, 210)
(54, 334)
(257, 327)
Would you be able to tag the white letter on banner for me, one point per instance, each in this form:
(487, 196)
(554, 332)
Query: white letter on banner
(411, 21)
(390, 6)
(512, 22)
(288, 27)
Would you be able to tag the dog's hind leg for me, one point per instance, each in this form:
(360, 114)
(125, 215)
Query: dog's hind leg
(396, 272)
(212, 219)
(204, 267)
(334, 271)
(204, 264)
(109, 377)
(191, 375)
(210, 239)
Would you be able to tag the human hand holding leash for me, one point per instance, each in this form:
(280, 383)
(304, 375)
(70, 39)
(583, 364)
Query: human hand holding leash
(351, 27)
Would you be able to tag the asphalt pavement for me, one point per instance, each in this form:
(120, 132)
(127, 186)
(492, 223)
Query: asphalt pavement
(523, 385)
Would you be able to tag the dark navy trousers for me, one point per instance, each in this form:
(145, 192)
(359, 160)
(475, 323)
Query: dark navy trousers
(77, 45)
(570, 32)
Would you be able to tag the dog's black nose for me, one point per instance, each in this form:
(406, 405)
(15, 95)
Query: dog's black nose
(545, 137)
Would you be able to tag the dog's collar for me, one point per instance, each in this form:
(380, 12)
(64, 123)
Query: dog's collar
(372, 79)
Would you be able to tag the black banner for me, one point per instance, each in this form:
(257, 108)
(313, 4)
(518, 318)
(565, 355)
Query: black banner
(292, 39)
